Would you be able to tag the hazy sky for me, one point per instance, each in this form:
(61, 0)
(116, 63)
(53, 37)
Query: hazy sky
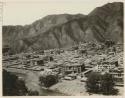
(21, 12)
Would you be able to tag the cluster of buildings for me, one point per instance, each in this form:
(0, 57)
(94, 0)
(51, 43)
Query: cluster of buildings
(73, 62)
(114, 66)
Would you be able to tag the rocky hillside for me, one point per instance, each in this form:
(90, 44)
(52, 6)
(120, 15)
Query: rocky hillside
(64, 30)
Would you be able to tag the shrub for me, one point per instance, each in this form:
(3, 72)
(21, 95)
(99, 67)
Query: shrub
(97, 83)
(12, 86)
(92, 83)
(48, 80)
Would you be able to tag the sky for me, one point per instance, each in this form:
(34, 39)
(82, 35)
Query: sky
(22, 12)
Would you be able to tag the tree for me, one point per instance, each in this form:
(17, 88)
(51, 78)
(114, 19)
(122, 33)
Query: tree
(12, 86)
(98, 83)
(83, 67)
(92, 83)
(107, 84)
(48, 80)
(109, 43)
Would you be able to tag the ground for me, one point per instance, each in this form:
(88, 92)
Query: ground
(74, 87)
(121, 90)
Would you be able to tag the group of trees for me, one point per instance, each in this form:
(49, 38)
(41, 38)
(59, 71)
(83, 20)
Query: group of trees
(48, 80)
(98, 83)
(109, 43)
(12, 86)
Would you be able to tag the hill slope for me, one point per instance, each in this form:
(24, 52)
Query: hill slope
(64, 30)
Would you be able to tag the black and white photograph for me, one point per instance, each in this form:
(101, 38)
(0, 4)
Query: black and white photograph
(62, 47)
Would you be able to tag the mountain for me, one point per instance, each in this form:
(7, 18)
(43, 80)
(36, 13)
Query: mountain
(64, 30)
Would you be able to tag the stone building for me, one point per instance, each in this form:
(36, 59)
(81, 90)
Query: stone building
(68, 68)
(118, 74)
(104, 66)
(37, 62)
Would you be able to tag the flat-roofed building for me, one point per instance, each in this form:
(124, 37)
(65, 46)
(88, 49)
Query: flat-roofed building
(104, 66)
(118, 74)
(68, 68)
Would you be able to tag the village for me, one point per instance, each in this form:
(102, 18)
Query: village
(72, 65)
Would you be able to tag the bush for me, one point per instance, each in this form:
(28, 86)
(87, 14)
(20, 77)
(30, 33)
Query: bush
(97, 83)
(48, 80)
(107, 85)
(109, 43)
(12, 86)
(92, 83)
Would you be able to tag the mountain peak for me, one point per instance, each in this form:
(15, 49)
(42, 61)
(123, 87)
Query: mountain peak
(62, 30)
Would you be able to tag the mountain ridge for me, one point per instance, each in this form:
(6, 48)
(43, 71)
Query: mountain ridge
(56, 31)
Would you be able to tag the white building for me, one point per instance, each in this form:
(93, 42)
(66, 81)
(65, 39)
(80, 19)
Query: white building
(105, 66)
